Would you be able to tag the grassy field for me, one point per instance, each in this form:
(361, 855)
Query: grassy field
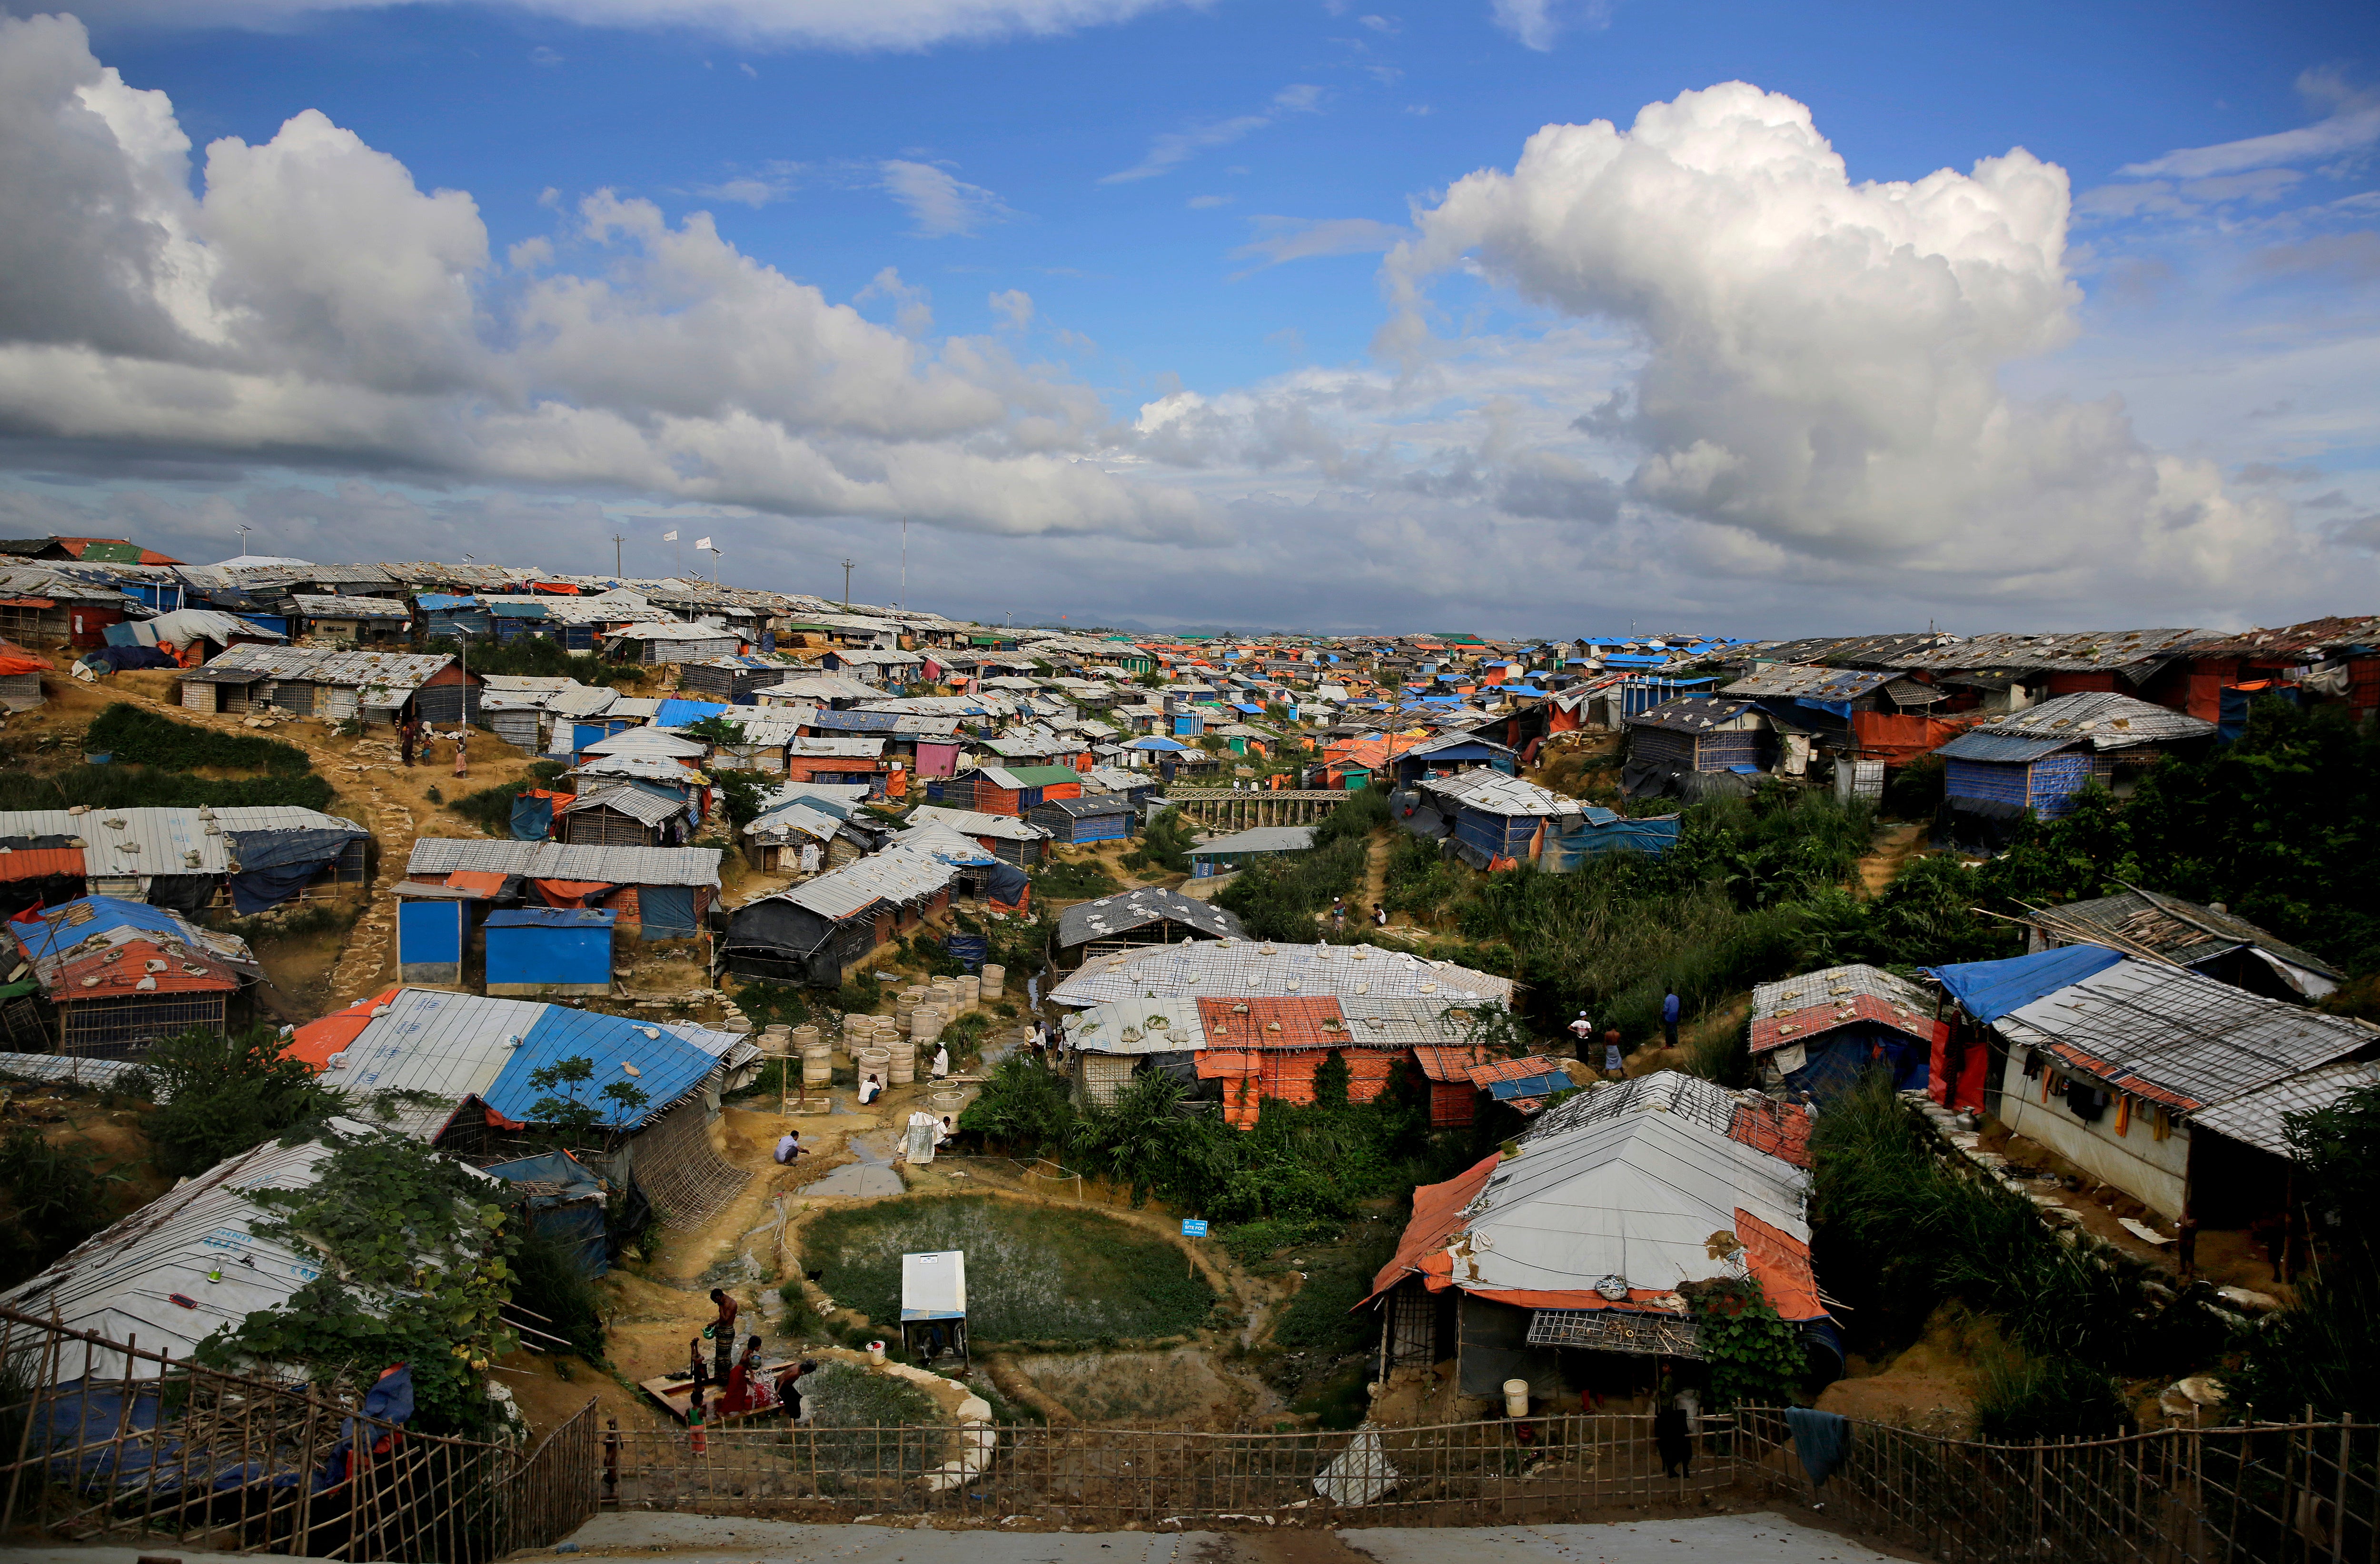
(1034, 1273)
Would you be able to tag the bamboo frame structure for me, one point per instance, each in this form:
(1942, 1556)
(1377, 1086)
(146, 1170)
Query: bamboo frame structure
(100, 1440)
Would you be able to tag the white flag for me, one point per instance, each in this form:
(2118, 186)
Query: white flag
(670, 536)
(702, 542)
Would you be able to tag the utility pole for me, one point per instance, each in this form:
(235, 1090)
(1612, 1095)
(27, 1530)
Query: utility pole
(618, 570)
(846, 586)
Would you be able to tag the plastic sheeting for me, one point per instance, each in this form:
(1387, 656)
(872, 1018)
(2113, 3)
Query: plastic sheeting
(1989, 990)
(667, 911)
(532, 818)
(572, 1212)
(276, 865)
(1570, 842)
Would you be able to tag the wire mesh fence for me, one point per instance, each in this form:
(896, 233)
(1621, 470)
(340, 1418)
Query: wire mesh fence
(2305, 1493)
(102, 1441)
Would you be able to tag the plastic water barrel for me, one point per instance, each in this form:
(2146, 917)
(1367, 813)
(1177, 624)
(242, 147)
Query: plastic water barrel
(994, 978)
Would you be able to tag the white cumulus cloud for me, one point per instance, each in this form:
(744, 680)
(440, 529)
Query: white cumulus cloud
(311, 305)
(834, 24)
(1822, 358)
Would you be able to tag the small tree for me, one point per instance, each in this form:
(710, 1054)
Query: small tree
(563, 1108)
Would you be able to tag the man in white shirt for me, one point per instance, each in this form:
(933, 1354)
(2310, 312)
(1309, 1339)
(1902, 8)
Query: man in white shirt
(789, 1146)
(941, 1060)
(1584, 1030)
(868, 1089)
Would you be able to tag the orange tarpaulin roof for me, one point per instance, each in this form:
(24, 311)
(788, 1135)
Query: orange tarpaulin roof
(568, 893)
(1436, 1216)
(40, 864)
(479, 882)
(314, 1043)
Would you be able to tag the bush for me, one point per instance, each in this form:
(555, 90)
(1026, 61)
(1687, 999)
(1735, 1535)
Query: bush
(1166, 840)
(1276, 897)
(49, 1201)
(139, 786)
(548, 1282)
(1023, 1105)
(227, 1093)
(134, 734)
(491, 809)
(2020, 1400)
(1072, 882)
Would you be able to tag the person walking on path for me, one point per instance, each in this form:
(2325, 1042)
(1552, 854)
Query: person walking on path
(941, 1060)
(461, 737)
(1670, 1020)
(409, 734)
(722, 1332)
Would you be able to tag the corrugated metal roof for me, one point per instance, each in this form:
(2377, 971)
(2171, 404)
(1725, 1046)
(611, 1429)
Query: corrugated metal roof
(1089, 807)
(1776, 1029)
(634, 803)
(1237, 967)
(789, 819)
(2001, 748)
(1831, 985)
(391, 671)
(121, 1283)
(648, 768)
(1110, 916)
(647, 741)
(1636, 1195)
(581, 700)
(1817, 684)
(70, 1069)
(332, 605)
(2259, 1118)
(2102, 719)
(562, 861)
(91, 936)
(1263, 838)
(897, 875)
(2071, 652)
(2182, 931)
(815, 747)
(1137, 1026)
(1492, 792)
(2310, 638)
(1693, 714)
(969, 823)
(2180, 1038)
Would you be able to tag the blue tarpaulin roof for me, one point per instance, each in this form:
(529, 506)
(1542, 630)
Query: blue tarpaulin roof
(1529, 1086)
(677, 713)
(108, 913)
(444, 600)
(664, 1067)
(1989, 990)
(551, 918)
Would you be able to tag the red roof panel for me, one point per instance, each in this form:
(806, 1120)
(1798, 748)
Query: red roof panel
(1815, 1020)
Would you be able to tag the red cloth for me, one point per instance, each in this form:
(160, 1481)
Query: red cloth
(568, 892)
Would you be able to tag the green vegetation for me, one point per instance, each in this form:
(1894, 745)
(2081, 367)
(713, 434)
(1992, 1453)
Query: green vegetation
(715, 730)
(1165, 844)
(743, 791)
(140, 786)
(50, 1199)
(227, 1093)
(538, 656)
(1755, 1357)
(846, 1405)
(771, 1004)
(141, 736)
(491, 809)
(2323, 1354)
(2281, 827)
(1298, 1163)
(1276, 896)
(548, 1282)
(570, 1110)
(2020, 1399)
(1034, 1273)
(415, 1270)
(1072, 882)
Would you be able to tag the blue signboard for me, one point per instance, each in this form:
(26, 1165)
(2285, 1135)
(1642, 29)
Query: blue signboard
(1194, 1226)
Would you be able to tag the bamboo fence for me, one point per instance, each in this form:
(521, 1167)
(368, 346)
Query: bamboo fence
(105, 1441)
(2300, 1493)
(101, 1440)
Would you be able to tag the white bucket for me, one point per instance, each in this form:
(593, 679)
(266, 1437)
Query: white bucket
(1516, 1397)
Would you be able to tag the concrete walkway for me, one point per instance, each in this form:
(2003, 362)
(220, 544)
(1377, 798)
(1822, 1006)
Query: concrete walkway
(1710, 1539)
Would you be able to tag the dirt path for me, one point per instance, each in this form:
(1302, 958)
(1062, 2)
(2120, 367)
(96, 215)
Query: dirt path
(375, 789)
(1894, 846)
(1376, 871)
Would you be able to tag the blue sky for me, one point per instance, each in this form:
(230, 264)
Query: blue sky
(1050, 231)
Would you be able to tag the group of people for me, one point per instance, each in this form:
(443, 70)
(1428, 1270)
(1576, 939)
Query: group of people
(1339, 915)
(743, 1386)
(1606, 1054)
(411, 736)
